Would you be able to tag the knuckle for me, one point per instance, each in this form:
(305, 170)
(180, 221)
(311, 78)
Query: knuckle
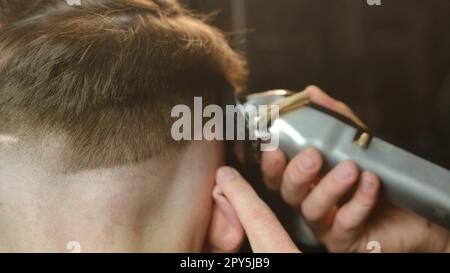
(314, 89)
(290, 199)
(311, 213)
(294, 179)
(344, 224)
(365, 203)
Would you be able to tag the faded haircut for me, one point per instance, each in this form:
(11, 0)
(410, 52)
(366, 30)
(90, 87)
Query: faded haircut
(107, 73)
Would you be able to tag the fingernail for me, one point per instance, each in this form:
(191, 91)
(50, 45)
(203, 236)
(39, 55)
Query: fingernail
(306, 162)
(343, 172)
(225, 174)
(367, 185)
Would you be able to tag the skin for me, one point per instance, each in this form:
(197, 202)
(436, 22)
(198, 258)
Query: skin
(347, 227)
(157, 206)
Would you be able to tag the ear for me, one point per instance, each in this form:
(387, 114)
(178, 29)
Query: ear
(225, 232)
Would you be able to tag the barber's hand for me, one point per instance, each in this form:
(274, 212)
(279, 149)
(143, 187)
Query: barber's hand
(347, 227)
(264, 232)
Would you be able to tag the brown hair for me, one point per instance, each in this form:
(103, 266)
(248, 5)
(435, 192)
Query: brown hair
(107, 73)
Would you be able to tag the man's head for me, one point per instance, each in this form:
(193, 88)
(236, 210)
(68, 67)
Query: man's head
(89, 88)
(107, 73)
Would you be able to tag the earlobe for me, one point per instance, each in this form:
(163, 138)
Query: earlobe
(225, 232)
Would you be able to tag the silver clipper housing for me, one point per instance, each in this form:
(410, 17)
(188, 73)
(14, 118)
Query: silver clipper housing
(408, 181)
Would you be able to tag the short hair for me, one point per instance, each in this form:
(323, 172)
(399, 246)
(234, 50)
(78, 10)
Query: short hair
(107, 73)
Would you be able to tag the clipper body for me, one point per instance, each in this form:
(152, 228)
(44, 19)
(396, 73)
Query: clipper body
(408, 181)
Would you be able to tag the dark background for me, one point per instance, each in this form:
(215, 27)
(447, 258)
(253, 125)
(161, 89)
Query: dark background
(390, 63)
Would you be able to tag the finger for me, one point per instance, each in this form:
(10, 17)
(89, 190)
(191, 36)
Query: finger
(300, 173)
(324, 197)
(351, 217)
(264, 231)
(319, 97)
(272, 166)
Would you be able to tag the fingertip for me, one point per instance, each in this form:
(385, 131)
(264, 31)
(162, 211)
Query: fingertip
(300, 174)
(314, 92)
(346, 172)
(352, 215)
(273, 160)
(353, 164)
(225, 174)
(370, 183)
(309, 161)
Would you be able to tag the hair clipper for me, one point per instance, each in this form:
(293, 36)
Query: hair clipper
(408, 181)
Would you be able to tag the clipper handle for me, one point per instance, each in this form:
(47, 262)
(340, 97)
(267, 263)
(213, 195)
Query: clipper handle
(407, 180)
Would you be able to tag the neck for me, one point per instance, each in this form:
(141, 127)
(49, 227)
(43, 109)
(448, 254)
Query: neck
(126, 209)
